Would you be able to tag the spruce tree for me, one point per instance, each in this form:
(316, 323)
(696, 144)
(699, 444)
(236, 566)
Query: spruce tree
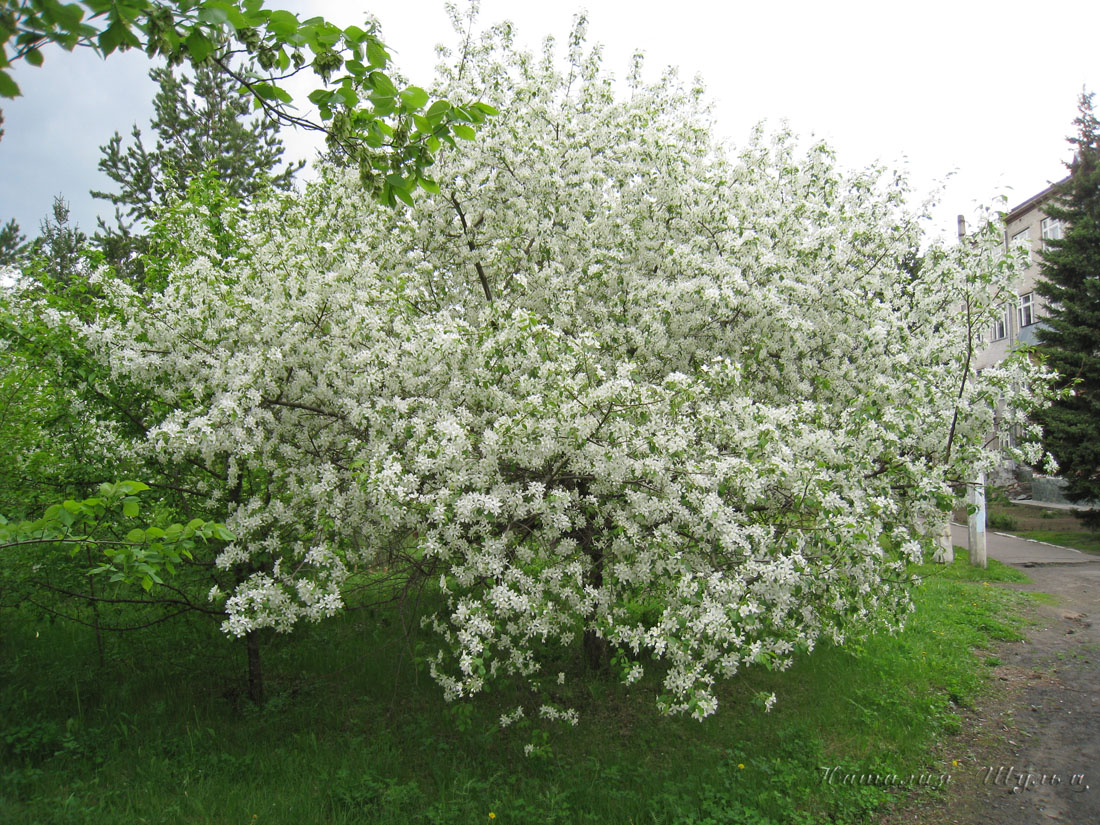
(57, 255)
(200, 122)
(13, 245)
(1070, 337)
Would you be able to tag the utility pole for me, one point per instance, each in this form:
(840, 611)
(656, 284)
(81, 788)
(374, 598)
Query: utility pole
(975, 492)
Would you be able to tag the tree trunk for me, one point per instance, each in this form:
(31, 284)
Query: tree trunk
(255, 673)
(597, 652)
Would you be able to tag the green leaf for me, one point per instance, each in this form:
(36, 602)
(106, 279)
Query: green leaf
(136, 536)
(382, 84)
(397, 182)
(229, 11)
(116, 35)
(269, 91)
(414, 97)
(198, 45)
(68, 15)
(130, 509)
(33, 56)
(463, 131)
(429, 185)
(214, 14)
(377, 56)
(8, 87)
(438, 109)
(282, 24)
(403, 195)
(485, 108)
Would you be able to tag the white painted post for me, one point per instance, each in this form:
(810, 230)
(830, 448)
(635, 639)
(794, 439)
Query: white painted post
(947, 546)
(975, 497)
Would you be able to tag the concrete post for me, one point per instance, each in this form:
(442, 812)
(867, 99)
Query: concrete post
(975, 497)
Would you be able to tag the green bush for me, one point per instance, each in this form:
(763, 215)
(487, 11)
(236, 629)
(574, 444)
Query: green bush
(1001, 521)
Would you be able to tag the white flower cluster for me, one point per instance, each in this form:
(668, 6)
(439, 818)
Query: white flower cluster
(613, 383)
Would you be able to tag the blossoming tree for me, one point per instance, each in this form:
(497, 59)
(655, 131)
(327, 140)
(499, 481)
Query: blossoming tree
(611, 387)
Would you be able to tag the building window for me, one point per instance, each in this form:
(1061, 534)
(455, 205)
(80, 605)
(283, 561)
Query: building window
(1000, 326)
(1021, 240)
(1027, 310)
(1052, 230)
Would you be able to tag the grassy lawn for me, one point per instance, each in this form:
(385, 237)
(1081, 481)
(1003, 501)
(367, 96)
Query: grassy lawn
(1051, 525)
(355, 732)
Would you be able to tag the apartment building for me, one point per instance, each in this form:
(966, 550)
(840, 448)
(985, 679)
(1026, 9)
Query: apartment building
(1029, 227)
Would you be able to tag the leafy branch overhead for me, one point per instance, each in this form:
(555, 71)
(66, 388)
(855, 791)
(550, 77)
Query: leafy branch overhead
(391, 133)
(138, 555)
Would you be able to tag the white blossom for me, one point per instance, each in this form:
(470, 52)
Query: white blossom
(612, 364)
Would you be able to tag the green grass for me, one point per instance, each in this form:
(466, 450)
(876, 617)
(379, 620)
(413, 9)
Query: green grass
(1056, 526)
(354, 733)
(1088, 542)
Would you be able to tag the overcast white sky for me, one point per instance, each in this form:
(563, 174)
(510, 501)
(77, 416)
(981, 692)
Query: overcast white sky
(982, 92)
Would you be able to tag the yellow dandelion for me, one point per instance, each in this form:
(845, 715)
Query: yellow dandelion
(955, 763)
(740, 766)
(492, 815)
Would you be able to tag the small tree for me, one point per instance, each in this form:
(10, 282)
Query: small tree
(58, 254)
(1070, 336)
(13, 245)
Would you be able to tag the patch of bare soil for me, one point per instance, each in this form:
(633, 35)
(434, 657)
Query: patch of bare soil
(1030, 752)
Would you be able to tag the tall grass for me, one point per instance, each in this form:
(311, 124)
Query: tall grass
(354, 732)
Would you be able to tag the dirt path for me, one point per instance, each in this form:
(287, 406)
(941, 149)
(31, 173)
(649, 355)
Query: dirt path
(1030, 754)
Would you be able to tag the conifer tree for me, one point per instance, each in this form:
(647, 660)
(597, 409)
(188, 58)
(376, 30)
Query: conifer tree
(57, 255)
(1070, 338)
(201, 122)
(13, 244)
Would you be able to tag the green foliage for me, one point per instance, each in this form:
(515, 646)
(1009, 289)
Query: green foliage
(1001, 521)
(13, 245)
(58, 255)
(366, 118)
(108, 523)
(1070, 337)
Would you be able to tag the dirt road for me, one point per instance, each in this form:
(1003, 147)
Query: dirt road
(1031, 754)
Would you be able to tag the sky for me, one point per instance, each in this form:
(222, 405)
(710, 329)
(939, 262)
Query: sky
(973, 99)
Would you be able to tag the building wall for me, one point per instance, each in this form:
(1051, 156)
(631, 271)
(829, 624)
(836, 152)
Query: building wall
(1023, 225)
